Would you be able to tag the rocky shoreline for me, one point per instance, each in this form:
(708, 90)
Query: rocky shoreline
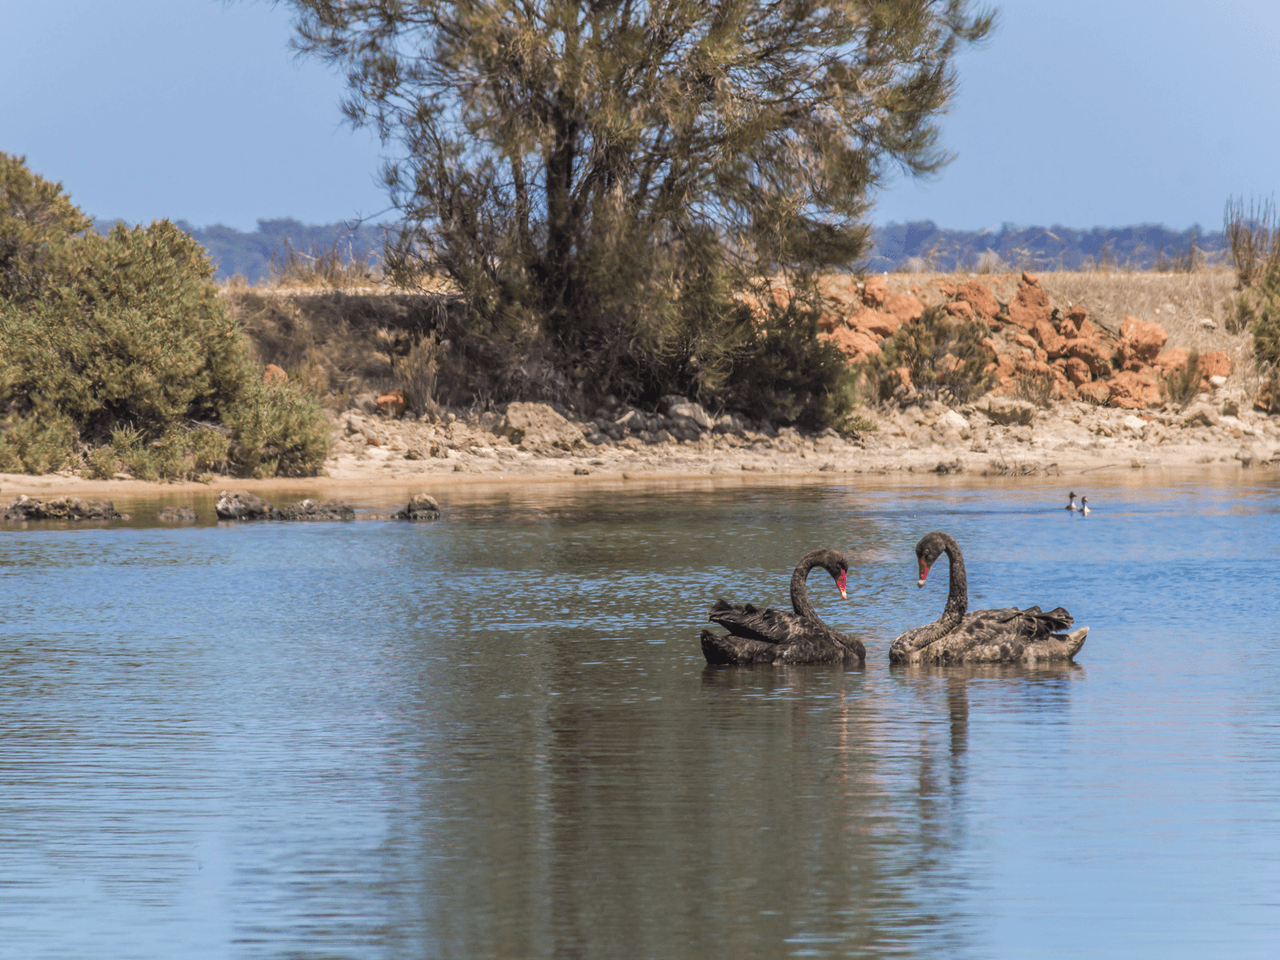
(995, 436)
(531, 443)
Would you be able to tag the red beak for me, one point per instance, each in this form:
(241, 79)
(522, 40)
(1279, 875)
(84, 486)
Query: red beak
(840, 585)
(924, 574)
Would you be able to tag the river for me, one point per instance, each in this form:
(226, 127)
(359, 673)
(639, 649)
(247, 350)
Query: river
(495, 735)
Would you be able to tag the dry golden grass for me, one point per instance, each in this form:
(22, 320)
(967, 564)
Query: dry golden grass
(1176, 301)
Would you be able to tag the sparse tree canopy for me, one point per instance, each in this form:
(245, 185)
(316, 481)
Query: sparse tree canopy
(569, 162)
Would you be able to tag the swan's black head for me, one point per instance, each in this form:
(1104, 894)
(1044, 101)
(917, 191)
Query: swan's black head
(835, 564)
(931, 546)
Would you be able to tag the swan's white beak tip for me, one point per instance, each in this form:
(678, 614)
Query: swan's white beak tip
(920, 582)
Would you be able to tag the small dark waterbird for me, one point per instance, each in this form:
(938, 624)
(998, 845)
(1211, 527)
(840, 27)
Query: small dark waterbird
(1071, 502)
(1009, 635)
(776, 636)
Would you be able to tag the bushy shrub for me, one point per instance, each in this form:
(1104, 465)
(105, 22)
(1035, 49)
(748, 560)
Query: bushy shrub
(944, 358)
(122, 341)
(1182, 385)
(37, 222)
(784, 372)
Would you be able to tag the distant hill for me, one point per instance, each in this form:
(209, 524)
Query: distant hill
(923, 245)
(249, 254)
(919, 245)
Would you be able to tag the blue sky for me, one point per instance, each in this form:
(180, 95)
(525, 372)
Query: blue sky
(1077, 112)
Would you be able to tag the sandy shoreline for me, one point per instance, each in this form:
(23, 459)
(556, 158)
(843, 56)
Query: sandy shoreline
(1047, 453)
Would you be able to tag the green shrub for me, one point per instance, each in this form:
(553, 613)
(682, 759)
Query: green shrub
(1182, 385)
(100, 463)
(783, 372)
(1264, 304)
(37, 222)
(41, 442)
(276, 431)
(122, 340)
(945, 358)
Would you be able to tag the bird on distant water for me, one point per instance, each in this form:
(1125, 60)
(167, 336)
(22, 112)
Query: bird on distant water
(1084, 506)
(1071, 502)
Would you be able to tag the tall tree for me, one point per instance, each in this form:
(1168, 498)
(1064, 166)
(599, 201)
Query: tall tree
(572, 163)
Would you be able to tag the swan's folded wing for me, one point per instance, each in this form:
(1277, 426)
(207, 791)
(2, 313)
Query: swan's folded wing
(726, 648)
(752, 623)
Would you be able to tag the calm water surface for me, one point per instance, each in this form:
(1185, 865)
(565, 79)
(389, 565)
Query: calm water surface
(495, 735)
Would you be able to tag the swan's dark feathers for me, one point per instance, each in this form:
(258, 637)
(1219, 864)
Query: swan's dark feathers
(777, 636)
(983, 636)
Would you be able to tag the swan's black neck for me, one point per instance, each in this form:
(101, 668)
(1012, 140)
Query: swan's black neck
(799, 592)
(958, 595)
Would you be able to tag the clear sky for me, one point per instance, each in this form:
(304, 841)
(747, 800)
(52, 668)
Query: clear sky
(1077, 112)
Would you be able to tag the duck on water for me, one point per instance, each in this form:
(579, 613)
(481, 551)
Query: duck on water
(1009, 635)
(775, 636)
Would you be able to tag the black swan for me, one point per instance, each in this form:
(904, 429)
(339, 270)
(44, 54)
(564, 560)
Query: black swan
(775, 636)
(983, 636)
(1071, 502)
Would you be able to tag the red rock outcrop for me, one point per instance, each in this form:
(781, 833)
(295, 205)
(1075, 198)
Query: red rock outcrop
(1134, 390)
(904, 307)
(1215, 363)
(1078, 371)
(1145, 339)
(857, 344)
(979, 297)
(876, 291)
(1096, 392)
(1052, 341)
(1031, 304)
(1171, 360)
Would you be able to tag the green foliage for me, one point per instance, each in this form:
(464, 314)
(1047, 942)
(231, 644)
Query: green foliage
(123, 340)
(945, 359)
(37, 221)
(587, 173)
(1263, 303)
(785, 372)
(276, 431)
(1181, 386)
(40, 442)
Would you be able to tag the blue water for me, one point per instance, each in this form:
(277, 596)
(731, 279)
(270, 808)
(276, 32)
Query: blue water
(495, 735)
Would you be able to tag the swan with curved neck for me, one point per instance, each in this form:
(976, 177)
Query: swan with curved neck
(1008, 635)
(775, 636)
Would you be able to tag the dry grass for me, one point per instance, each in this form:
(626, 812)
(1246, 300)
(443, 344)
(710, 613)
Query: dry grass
(1176, 301)
(337, 344)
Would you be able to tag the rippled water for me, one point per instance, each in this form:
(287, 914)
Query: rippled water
(495, 736)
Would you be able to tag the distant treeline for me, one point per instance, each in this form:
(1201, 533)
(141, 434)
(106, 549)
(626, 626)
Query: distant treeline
(249, 254)
(919, 245)
(923, 245)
